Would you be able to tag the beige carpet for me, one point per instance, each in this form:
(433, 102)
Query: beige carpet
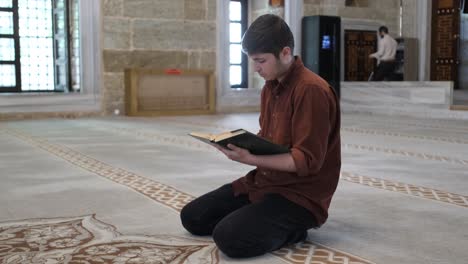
(109, 190)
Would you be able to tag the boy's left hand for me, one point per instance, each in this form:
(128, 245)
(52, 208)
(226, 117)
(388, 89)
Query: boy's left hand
(236, 154)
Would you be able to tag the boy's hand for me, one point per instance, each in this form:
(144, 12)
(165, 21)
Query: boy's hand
(236, 154)
(280, 162)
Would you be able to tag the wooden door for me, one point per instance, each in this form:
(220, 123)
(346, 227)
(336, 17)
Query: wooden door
(368, 46)
(445, 39)
(358, 46)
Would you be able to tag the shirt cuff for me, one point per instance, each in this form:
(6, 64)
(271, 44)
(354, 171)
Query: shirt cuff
(300, 162)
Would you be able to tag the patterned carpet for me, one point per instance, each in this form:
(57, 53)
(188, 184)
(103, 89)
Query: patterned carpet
(109, 190)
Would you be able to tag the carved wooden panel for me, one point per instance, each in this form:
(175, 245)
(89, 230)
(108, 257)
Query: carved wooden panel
(445, 38)
(351, 55)
(446, 3)
(368, 46)
(358, 46)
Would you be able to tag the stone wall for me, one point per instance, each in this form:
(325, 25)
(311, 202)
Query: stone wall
(182, 34)
(154, 34)
(261, 7)
(409, 27)
(385, 12)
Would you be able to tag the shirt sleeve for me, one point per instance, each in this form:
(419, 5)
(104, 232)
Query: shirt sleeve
(380, 50)
(310, 129)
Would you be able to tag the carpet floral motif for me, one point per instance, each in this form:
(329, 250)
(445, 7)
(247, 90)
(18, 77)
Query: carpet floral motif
(88, 240)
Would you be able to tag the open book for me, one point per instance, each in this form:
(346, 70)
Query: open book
(243, 139)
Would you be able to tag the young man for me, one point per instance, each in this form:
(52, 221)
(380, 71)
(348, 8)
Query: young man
(275, 204)
(385, 56)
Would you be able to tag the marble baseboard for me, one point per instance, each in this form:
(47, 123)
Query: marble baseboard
(42, 115)
(438, 94)
(416, 99)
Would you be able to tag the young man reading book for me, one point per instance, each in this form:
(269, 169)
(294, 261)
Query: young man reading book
(275, 204)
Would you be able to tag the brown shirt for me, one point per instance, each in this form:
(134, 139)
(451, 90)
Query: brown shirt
(302, 112)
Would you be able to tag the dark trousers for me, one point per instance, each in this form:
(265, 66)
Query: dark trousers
(384, 71)
(243, 229)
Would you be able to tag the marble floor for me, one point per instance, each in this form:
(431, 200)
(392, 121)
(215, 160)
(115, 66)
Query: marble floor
(95, 190)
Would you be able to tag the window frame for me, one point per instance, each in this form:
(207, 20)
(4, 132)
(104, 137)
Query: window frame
(62, 63)
(15, 36)
(67, 67)
(88, 99)
(244, 59)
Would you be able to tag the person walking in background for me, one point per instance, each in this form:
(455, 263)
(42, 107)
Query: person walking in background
(385, 56)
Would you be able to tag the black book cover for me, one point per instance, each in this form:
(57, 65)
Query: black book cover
(243, 139)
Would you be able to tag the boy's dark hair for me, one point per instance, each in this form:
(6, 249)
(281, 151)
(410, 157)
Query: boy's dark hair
(267, 34)
(383, 29)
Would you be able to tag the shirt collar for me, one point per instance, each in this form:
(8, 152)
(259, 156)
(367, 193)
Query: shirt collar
(290, 77)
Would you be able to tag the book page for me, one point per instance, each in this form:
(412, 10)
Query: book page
(228, 134)
(203, 135)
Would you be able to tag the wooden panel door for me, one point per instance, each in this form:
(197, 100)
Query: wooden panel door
(445, 39)
(368, 46)
(358, 46)
(351, 55)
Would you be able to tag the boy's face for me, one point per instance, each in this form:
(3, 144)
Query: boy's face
(267, 65)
